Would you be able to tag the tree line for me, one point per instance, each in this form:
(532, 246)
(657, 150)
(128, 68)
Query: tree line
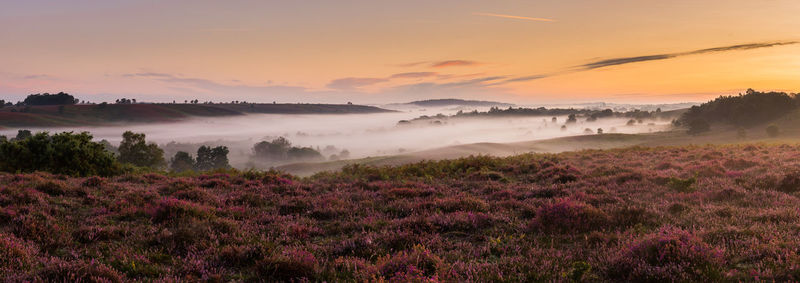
(743, 110)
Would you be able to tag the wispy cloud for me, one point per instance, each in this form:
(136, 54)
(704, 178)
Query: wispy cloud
(655, 57)
(646, 58)
(514, 17)
(413, 75)
(215, 87)
(354, 83)
(453, 63)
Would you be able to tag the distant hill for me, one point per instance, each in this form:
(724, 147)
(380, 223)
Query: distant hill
(104, 114)
(453, 102)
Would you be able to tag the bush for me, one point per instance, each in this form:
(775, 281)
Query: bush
(63, 153)
(773, 130)
(568, 216)
(670, 255)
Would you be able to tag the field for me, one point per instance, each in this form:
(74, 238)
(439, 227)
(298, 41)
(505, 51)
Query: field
(100, 115)
(691, 213)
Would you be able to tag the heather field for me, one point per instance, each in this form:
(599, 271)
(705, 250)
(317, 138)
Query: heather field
(698, 213)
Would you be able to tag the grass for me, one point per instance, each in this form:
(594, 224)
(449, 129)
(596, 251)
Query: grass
(675, 213)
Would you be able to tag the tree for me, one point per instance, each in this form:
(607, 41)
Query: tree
(60, 98)
(63, 153)
(134, 150)
(697, 126)
(750, 108)
(773, 130)
(304, 154)
(182, 161)
(2, 103)
(572, 118)
(23, 134)
(276, 150)
(212, 158)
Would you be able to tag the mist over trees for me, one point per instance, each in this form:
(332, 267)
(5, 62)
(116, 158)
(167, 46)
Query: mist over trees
(280, 150)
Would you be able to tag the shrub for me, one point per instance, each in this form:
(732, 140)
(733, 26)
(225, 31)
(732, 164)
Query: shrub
(63, 153)
(293, 265)
(418, 264)
(773, 130)
(670, 255)
(682, 185)
(568, 216)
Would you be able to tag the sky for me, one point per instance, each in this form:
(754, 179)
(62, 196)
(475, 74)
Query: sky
(369, 51)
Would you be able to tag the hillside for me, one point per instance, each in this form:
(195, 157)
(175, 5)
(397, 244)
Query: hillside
(453, 102)
(94, 115)
(696, 213)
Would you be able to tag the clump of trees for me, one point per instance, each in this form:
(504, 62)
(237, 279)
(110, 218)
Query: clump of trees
(64, 153)
(136, 151)
(125, 101)
(60, 98)
(281, 150)
(208, 158)
(750, 108)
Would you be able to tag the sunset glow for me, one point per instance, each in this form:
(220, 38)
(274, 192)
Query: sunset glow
(380, 51)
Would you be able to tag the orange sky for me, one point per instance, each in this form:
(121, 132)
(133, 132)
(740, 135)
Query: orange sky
(391, 51)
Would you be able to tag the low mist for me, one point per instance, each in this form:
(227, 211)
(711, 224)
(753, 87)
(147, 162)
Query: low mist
(362, 135)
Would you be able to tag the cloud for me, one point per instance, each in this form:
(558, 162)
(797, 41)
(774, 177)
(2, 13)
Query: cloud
(413, 75)
(636, 59)
(526, 78)
(453, 63)
(214, 87)
(514, 17)
(354, 83)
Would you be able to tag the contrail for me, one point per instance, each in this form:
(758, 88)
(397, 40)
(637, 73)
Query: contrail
(514, 17)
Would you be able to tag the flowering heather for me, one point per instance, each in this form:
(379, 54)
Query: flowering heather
(696, 213)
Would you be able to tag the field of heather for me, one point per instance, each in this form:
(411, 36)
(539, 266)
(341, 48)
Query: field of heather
(704, 213)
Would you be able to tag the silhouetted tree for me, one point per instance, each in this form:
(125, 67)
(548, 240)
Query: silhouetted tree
(572, 118)
(60, 98)
(134, 150)
(23, 134)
